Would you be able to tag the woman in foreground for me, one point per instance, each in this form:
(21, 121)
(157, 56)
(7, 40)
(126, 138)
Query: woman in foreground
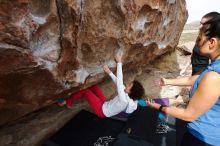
(203, 110)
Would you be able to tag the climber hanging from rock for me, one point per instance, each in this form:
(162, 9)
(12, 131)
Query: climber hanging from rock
(125, 100)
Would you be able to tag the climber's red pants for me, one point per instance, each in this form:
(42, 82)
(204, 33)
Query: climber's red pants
(93, 95)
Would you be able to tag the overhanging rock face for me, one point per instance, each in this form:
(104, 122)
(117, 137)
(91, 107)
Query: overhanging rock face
(49, 47)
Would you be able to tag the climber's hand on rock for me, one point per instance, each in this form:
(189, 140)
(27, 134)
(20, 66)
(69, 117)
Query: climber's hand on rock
(106, 69)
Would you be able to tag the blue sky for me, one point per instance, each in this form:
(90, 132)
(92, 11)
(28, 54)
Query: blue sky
(198, 8)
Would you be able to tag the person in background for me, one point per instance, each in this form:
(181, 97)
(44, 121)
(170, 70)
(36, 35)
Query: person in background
(126, 99)
(203, 109)
(199, 62)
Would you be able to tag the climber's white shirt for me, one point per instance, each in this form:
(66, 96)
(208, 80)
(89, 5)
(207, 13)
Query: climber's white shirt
(121, 102)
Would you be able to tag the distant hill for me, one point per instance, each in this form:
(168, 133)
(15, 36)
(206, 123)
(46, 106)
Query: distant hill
(192, 26)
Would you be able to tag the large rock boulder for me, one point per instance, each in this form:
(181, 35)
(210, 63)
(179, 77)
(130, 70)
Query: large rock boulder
(49, 48)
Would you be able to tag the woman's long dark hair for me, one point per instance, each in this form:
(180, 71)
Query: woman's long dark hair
(211, 28)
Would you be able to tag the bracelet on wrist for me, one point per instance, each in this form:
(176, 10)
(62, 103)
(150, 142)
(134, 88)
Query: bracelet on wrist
(161, 108)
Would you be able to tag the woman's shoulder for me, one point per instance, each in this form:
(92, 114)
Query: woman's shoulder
(212, 75)
(211, 78)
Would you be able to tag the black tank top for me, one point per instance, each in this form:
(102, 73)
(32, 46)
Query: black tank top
(198, 60)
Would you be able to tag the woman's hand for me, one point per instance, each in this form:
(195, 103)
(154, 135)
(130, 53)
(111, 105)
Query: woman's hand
(153, 105)
(106, 69)
(160, 82)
